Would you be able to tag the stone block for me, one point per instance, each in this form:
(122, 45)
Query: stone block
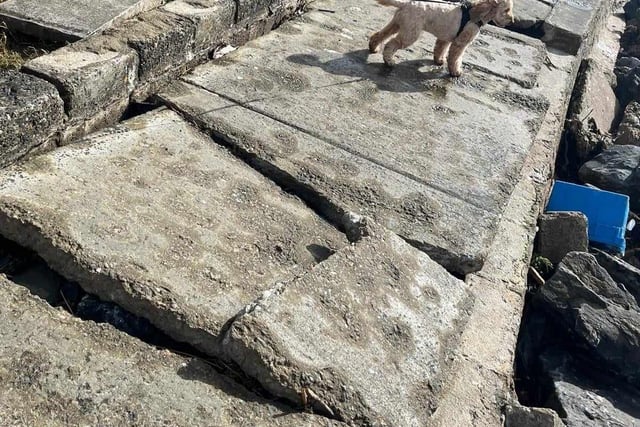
(529, 14)
(560, 233)
(163, 41)
(153, 215)
(522, 416)
(91, 74)
(365, 337)
(57, 370)
(31, 114)
(594, 100)
(212, 18)
(572, 24)
(68, 20)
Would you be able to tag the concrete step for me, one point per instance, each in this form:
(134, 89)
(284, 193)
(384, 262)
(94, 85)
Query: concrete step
(57, 370)
(154, 216)
(433, 159)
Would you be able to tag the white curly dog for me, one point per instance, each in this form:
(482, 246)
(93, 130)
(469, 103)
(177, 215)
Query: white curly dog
(455, 26)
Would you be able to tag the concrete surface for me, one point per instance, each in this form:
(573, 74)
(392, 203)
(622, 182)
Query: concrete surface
(530, 14)
(31, 114)
(594, 100)
(572, 24)
(366, 335)
(57, 370)
(68, 20)
(89, 74)
(427, 156)
(155, 217)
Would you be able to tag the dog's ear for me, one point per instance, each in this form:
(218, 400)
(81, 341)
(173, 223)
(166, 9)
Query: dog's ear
(484, 10)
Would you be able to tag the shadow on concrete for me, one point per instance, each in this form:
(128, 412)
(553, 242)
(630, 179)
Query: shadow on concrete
(405, 76)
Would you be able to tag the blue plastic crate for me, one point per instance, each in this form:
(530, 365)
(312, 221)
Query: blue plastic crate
(607, 213)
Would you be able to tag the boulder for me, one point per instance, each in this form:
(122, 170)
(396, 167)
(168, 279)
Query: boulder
(622, 272)
(629, 130)
(522, 416)
(599, 315)
(593, 98)
(616, 169)
(560, 233)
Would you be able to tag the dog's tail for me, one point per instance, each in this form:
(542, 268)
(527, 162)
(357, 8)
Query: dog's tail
(394, 3)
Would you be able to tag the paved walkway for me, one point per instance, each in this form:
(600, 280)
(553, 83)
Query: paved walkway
(226, 221)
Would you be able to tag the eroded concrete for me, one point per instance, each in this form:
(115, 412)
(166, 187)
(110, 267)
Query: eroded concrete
(364, 337)
(68, 20)
(154, 216)
(57, 370)
(429, 157)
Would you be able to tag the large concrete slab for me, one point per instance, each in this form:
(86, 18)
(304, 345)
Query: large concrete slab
(57, 370)
(366, 337)
(156, 217)
(68, 20)
(432, 158)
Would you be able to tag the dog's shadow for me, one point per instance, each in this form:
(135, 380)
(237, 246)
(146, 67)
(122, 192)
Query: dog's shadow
(406, 76)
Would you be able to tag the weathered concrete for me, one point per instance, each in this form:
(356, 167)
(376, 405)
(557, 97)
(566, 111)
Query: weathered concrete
(521, 416)
(31, 114)
(572, 24)
(530, 14)
(155, 217)
(365, 336)
(90, 74)
(68, 20)
(353, 137)
(594, 101)
(560, 233)
(57, 370)
(212, 19)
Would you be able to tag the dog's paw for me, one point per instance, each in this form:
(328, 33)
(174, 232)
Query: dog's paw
(438, 61)
(455, 72)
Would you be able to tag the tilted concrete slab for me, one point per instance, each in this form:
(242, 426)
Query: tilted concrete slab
(68, 20)
(57, 370)
(432, 158)
(366, 336)
(156, 217)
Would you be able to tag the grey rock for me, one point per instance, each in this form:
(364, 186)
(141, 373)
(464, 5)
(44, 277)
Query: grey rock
(593, 99)
(622, 272)
(616, 169)
(91, 74)
(68, 20)
(517, 415)
(311, 109)
(57, 370)
(572, 24)
(601, 316)
(628, 87)
(586, 396)
(366, 336)
(154, 216)
(560, 233)
(31, 114)
(629, 130)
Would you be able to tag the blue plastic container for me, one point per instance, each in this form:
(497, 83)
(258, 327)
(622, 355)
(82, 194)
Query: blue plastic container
(607, 213)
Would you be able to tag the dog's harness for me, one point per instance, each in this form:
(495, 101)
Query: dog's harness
(466, 16)
(465, 7)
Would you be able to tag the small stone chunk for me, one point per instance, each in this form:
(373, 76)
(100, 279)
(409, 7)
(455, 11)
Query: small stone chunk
(560, 233)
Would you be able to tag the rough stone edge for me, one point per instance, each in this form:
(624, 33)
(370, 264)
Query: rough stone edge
(263, 22)
(480, 381)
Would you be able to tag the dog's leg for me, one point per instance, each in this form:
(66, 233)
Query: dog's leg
(382, 35)
(440, 51)
(404, 39)
(459, 45)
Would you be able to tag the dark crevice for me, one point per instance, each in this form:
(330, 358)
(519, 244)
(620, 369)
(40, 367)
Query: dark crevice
(25, 268)
(536, 30)
(135, 109)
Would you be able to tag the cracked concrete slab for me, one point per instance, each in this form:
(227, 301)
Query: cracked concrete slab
(68, 20)
(365, 337)
(410, 147)
(57, 370)
(154, 216)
